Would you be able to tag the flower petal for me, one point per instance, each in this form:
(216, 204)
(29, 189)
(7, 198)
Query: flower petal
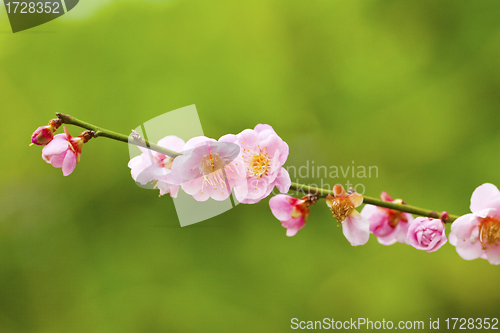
(402, 230)
(57, 160)
(453, 239)
(462, 227)
(197, 141)
(386, 197)
(436, 243)
(290, 232)
(174, 190)
(274, 168)
(220, 193)
(56, 146)
(482, 196)
(193, 186)
(283, 181)
(368, 210)
(257, 190)
(493, 255)
(172, 142)
(495, 208)
(339, 191)
(356, 229)
(203, 196)
(163, 187)
(281, 206)
(229, 138)
(356, 199)
(246, 139)
(263, 127)
(329, 200)
(69, 163)
(139, 169)
(469, 251)
(293, 225)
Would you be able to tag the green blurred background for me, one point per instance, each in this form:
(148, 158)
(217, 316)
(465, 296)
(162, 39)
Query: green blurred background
(412, 87)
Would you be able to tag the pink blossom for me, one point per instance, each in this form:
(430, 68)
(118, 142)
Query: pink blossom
(477, 235)
(156, 167)
(292, 212)
(388, 225)
(426, 234)
(208, 168)
(63, 152)
(356, 228)
(263, 153)
(44, 134)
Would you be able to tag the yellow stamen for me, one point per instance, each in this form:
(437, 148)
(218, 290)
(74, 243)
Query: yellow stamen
(341, 208)
(211, 169)
(489, 232)
(258, 166)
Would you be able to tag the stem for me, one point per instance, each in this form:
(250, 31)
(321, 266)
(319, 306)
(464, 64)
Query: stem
(377, 202)
(99, 131)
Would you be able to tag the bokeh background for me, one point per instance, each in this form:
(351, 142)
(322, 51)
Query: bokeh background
(412, 87)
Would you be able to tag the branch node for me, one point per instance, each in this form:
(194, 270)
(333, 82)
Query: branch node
(434, 215)
(135, 135)
(66, 119)
(87, 135)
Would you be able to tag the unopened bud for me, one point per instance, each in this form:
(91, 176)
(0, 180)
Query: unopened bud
(44, 134)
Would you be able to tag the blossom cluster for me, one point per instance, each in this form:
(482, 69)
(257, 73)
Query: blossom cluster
(475, 235)
(61, 150)
(250, 165)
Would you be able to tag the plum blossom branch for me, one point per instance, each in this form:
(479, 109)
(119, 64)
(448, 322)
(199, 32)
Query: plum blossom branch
(250, 165)
(136, 140)
(376, 202)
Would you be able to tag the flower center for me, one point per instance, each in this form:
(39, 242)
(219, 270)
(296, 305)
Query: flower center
(164, 161)
(211, 168)
(396, 216)
(258, 165)
(300, 210)
(210, 163)
(489, 232)
(341, 208)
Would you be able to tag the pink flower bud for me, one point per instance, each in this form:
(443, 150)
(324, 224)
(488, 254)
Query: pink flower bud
(44, 134)
(426, 234)
(445, 216)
